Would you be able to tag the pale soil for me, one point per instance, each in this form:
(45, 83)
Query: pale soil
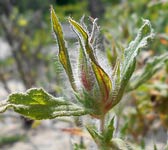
(46, 136)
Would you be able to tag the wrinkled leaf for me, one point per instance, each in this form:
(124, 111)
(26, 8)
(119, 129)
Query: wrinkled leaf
(152, 66)
(128, 64)
(145, 33)
(63, 53)
(38, 104)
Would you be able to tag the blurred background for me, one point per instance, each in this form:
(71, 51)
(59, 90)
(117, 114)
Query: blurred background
(28, 59)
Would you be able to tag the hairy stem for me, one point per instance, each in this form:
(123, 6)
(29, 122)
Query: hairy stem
(102, 123)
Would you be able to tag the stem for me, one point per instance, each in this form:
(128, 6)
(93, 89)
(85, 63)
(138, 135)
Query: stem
(102, 123)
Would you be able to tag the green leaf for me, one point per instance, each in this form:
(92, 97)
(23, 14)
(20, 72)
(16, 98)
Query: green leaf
(145, 33)
(108, 133)
(38, 104)
(111, 143)
(90, 102)
(152, 66)
(95, 134)
(63, 53)
(116, 78)
(128, 63)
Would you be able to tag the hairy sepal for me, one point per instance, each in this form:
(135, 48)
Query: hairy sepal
(103, 80)
(63, 53)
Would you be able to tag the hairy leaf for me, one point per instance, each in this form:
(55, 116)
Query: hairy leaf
(38, 104)
(63, 53)
(144, 34)
(116, 79)
(128, 64)
(90, 103)
(97, 137)
(152, 66)
(108, 133)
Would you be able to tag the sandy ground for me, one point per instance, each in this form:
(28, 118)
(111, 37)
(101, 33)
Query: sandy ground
(46, 136)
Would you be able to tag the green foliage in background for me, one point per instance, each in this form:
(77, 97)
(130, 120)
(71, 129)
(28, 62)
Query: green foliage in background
(27, 36)
(150, 102)
(124, 18)
(73, 10)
